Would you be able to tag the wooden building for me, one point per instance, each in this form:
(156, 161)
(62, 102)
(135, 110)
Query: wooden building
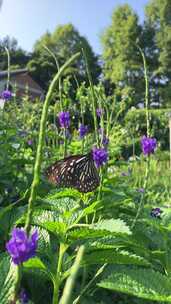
(21, 82)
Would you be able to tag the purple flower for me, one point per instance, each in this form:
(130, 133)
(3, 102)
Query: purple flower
(67, 134)
(148, 145)
(21, 247)
(156, 212)
(141, 190)
(124, 174)
(6, 95)
(105, 140)
(99, 112)
(100, 156)
(23, 297)
(83, 130)
(64, 119)
(101, 131)
(128, 173)
(30, 142)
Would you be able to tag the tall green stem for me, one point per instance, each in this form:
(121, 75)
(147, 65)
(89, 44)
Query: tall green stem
(66, 297)
(37, 166)
(17, 283)
(141, 203)
(93, 95)
(146, 91)
(65, 142)
(82, 121)
(8, 76)
(57, 279)
(77, 300)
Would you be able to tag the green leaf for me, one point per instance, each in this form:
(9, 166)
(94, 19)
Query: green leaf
(113, 256)
(7, 280)
(101, 229)
(143, 283)
(55, 227)
(35, 263)
(116, 226)
(85, 233)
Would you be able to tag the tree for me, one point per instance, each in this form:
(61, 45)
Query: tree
(119, 50)
(158, 19)
(18, 57)
(63, 42)
(122, 63)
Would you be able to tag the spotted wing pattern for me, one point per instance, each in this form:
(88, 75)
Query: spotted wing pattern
(77, 171)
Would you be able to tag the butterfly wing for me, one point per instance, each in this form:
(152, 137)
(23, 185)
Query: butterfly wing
(86, 175)
(76, 171)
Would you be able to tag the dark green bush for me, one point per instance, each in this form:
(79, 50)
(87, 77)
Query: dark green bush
(135, 123)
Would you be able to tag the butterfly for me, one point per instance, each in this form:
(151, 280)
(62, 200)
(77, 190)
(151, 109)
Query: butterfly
(76, 171)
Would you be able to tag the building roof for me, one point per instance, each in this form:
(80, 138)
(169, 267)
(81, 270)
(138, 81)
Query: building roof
(13, 73)
(22, 79)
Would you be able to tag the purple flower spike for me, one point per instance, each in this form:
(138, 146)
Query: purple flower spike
(141, 190)
(64, 119)
(6, 95)
(148, 145)
(100, 130)
(100, 156)
(21, 247)
(83, 130)
(105, 141)
(30, 142)
(23, 297)
(99, 112)
(156, 212)
(124, 174)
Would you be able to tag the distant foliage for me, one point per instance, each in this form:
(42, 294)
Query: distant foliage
(122, 63)
(159, 124)
(63, 42)
(18, 57)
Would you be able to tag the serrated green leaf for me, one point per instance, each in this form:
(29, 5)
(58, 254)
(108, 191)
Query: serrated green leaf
(143, 283)
(85, 233)
(55, 227)
(112, 225)
(35, 263)
(113, 256)
(7, 280)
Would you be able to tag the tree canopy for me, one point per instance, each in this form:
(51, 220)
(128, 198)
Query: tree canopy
(63, 43)
(122, 61)
(120, 65)
(158, 19)
(18, 57)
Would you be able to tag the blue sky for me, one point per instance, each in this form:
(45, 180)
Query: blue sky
(27, 20)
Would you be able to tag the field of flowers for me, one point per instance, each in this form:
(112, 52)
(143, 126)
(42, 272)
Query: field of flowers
(102, 241)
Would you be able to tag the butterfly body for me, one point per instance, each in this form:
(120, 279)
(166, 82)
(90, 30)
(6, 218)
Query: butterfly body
(76, 171)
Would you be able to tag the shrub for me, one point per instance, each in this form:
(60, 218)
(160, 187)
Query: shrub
(135, 123)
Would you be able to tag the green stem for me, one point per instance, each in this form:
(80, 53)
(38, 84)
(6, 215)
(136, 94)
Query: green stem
(60, 85)
(57, 280)
(93, 95)
(17, 283)
(82, 121)
(65, 143)
(37, 167)
(66, 296)
(101, 184)
(8, 77)
(77, 300)
(146, 91)
(141, 203)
